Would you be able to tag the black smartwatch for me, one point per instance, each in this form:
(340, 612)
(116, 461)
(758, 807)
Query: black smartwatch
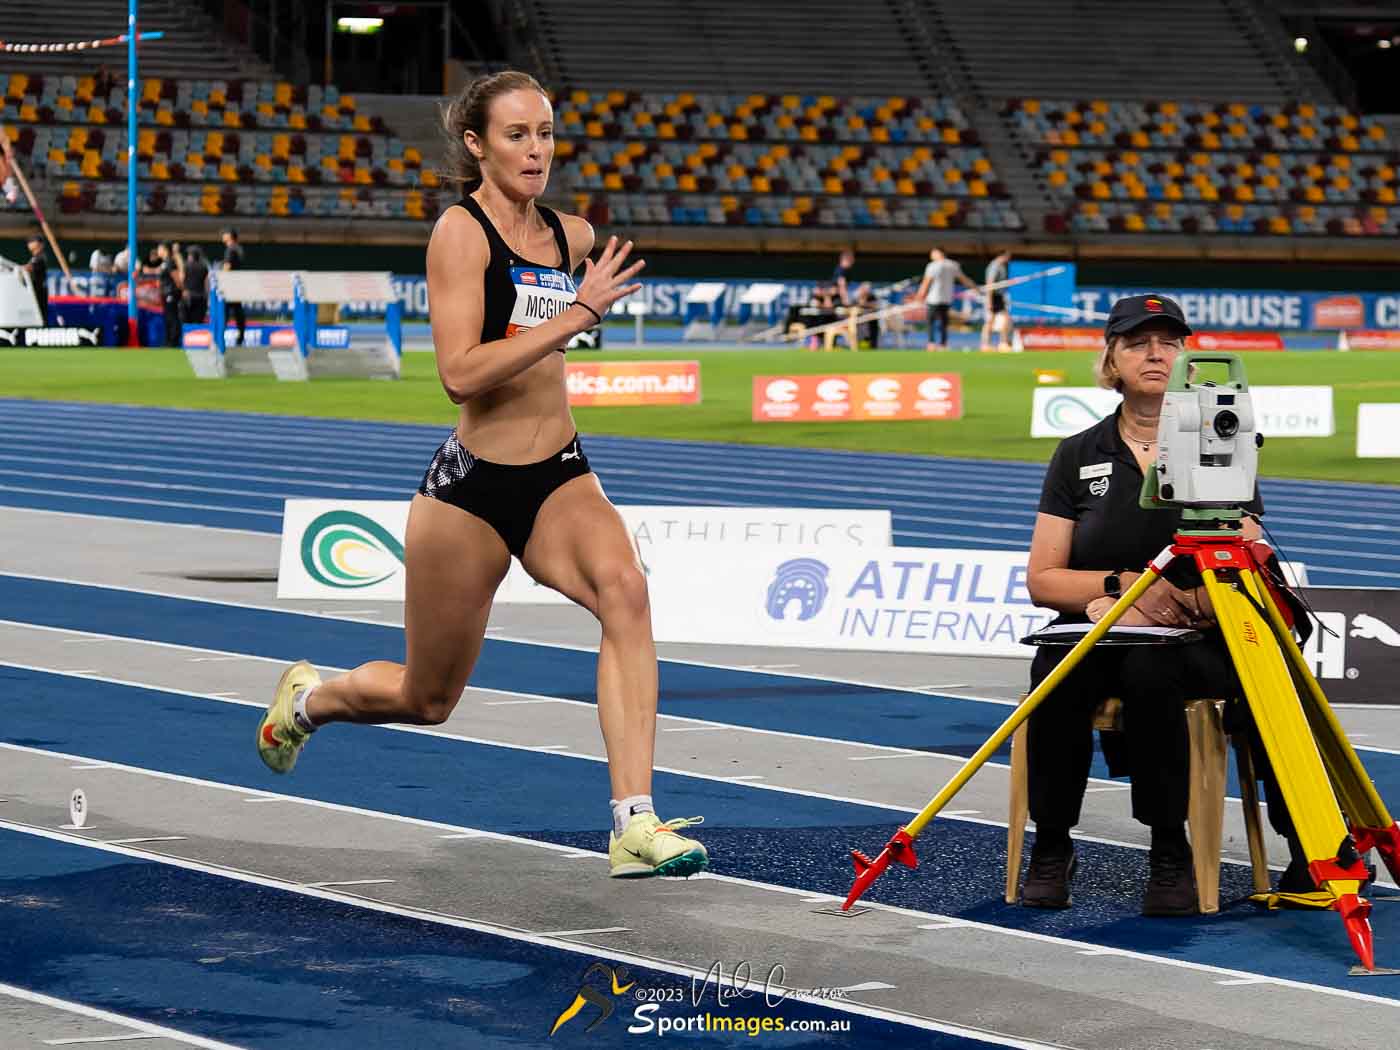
(1113, 584)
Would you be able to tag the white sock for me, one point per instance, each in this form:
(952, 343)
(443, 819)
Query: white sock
(299, 715)
(624, 808)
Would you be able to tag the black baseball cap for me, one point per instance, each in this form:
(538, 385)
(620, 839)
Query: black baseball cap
(1136, 310)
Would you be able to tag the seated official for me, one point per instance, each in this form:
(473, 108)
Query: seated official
(1091, 539)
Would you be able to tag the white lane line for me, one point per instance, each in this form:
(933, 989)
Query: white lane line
(943, 685)
(1101, 951)
(74, 827)
(152, 838)
(80, 641)
(1113, 787)
(582, 854)
(519, 703)
(1247, 980)
(264, 798)
(352, 882)
(543, 747)
(125, 1037)
(464, 835)
(68, 494)
(91, 765)
(542, 940)
(227, 696)
(867, 986)
(960, 813)
(581, 933)
(747, 776)
(211, 659)
(75, 670)
(159, 1031)
(949, 925)
(696, 729)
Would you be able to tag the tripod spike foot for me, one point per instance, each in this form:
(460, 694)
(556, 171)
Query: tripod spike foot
(1355, 912)
(900, 847)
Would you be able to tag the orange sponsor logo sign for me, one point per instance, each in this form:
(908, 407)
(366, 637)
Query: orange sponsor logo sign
(1043, 338)
(1235, 341)
(633, 382)
(853, 397)
(1374, 339)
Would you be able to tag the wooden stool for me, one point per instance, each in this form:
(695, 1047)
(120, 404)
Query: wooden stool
(1205, 807)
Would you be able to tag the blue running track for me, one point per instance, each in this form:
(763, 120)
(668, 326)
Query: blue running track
(234, 470)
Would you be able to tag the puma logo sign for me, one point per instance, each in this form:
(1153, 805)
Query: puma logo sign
(576, 454)
(1364, 626)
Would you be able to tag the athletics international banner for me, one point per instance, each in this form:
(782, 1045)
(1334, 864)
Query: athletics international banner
(1069, 338)
(1279, 411)
(633, 382)
(355, 548)
(856, 397)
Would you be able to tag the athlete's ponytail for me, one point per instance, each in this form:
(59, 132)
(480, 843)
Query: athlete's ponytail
(470, 111)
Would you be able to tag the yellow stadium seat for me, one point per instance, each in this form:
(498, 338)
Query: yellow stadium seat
(757, 100)
(938, 220)
(92, 164)
(150, 90)
(1375, 131)
(695, 161)
(412, 157)
(735, 171)
(28, 113)
(791, 101)
(1138, 139)
(728, 203)
(952, 136)
(1090, 208)
(348, 102)
(1210, 119)
(1058, 178)
(803, 205)
(160, 171)
(232, 119)
(19, 82)
(761, 184)
(296, 173)
(570, 117)
(791, 218)
(1385, 195)
(905, 187)
(430, 178)
(1162, 210)
(949, 206)
(808, 134)
(686, 98)
(1210, 140)
(714, 120)
(876, 205)
(266, 109)
(1306, 109)
(1031, 105)
(663, 171)
(1101, 191)
(1279, 224)
(263, 161)
(1234, 212)
(1103, 167)
(71, 189)
(976, 187)
(1341, 182)
(1134, 223)
(361, 123)
(952, 175)
(643, 119)
(1098, 127)
(1342, 161)
(1168, 128)
(613, 181)
(738, 133)
(1210, 193)
(1099, 106)
(66, 104)
(228, 172)
(617, 98)
(593, 129)
(330, 163)
(1169, 109)
(743, 112)
(880, 134)
(297, 120)
(579, 98)
(57, 156)
(1137, 191)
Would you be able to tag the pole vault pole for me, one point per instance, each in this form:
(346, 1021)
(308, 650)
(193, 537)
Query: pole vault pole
(132, 264)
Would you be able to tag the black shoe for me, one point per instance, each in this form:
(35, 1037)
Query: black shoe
(1171, 883)
(1047, 879)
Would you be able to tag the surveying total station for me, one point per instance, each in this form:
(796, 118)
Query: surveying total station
(1206, 466)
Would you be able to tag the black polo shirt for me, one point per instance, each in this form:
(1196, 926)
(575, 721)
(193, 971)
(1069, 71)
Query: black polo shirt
(1094, 481)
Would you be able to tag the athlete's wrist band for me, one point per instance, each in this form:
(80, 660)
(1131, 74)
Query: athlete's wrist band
(595, 313)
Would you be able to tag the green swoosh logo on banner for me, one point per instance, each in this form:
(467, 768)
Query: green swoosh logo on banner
(1065, 410)
(337, 539)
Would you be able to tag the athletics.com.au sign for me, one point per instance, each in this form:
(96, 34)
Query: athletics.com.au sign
(633, 382)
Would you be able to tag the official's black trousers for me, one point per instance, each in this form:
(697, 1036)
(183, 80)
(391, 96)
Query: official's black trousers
(1154, 682)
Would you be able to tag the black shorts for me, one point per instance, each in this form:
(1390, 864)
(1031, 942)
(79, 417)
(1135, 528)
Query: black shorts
(998, 303)
(505, 496)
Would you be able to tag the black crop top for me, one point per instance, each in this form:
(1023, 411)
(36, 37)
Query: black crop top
(521, 294)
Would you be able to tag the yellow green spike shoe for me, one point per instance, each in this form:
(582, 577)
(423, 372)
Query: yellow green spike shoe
(279, 739)
(649, 846)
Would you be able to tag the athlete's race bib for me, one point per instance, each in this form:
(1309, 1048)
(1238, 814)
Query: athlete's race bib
(540, 293)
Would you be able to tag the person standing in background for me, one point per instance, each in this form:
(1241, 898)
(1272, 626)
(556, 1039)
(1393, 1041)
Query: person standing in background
(936, 290)
(38, 269)
(996, 318)
(171, 274)
(841, 275)
(196, 286)
(233, 260)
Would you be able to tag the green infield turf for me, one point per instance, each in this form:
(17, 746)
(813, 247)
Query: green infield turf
(996, 393)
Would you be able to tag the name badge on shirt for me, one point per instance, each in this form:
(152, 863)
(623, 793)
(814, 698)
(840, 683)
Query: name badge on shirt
(540, 293)
(1095, 470)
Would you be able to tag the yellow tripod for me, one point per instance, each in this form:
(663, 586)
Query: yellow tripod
(1335, 809)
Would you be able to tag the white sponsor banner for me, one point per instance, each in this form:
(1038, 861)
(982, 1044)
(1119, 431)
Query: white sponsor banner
(354, 548)
(1378, 430)
(901, 599)
(1280, 411)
